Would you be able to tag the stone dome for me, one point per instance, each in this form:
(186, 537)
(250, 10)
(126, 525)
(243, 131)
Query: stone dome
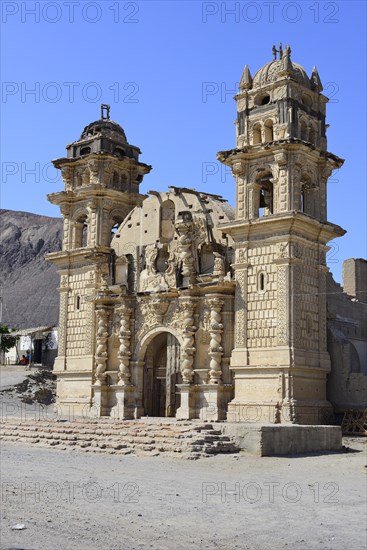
(269, 73)
(104, 127)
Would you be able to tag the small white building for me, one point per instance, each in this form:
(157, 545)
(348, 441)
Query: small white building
(39, 344)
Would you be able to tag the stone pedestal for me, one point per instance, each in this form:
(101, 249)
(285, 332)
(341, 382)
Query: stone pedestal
(271, 440)
(186, 411)
(213, 401)
(100, 400)
(125, 402)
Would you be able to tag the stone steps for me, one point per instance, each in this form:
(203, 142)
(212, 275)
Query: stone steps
(141, 437)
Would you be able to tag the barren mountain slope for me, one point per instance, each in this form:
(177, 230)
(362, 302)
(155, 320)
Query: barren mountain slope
(29, 282)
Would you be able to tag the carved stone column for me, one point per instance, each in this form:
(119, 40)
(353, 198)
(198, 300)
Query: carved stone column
(188, 348)
(101, 351)
(215, 350)
(187, 409)
(124, 390)
(124, 353)
(185, 250)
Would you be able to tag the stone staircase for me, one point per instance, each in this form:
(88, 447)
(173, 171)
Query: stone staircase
(149, 437)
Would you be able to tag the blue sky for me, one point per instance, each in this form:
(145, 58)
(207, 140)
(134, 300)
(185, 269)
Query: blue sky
(169, 71)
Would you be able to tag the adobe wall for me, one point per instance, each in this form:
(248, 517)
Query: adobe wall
(347, 339)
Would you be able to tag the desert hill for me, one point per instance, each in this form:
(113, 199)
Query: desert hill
(29, 283)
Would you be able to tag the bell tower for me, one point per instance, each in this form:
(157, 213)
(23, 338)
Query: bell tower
(101, 175)
(281, 165)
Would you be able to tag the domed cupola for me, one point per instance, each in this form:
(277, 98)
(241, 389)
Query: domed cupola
(105, 127)
(103, 136)
(280, 68)
(281, 102)
(102, 174)
(280, 157)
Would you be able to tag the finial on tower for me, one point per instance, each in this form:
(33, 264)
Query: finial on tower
(316, 81)
(105, 111)
(246, 79)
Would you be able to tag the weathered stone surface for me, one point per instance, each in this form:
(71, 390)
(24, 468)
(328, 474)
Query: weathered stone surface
(187, 440)
(174, 304)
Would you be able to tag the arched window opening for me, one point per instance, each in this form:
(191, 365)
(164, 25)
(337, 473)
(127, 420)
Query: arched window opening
(77, 302)
(269, 136)
(114, 229)
(119, 152)
(302, 200)
(262, 99)
(81, 232)
(79, 180)
(266, 196)
(256, 134)
(307, 196)
(167, 221)
(85, 151)
(85, 235)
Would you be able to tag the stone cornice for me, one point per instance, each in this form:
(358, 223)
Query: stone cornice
(91, 255)
(62, 198)
(290, 144)
(100, 157)
(292, 223)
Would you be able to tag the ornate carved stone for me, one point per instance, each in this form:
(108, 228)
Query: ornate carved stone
(124, 353)
(67, 176)
(188, 330)
(93, 166)
(219, 265)
(240, 309)
(185, 249)
(215, 350)
(101, 351)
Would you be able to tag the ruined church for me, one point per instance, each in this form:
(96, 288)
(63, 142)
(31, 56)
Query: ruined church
(175, 304)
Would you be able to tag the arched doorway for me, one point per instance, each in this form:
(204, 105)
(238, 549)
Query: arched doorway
(161, 374)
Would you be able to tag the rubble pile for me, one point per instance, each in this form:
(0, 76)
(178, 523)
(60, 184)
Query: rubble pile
(39, 387)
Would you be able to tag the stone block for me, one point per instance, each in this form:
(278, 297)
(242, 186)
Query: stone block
(273, 440)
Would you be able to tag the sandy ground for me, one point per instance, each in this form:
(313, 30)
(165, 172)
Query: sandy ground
(11, 405)
(71, 500)
(12, 374)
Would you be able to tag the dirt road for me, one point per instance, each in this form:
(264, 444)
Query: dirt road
(81, 501)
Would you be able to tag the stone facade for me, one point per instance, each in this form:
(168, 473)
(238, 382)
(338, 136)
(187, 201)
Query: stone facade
(174, 304)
